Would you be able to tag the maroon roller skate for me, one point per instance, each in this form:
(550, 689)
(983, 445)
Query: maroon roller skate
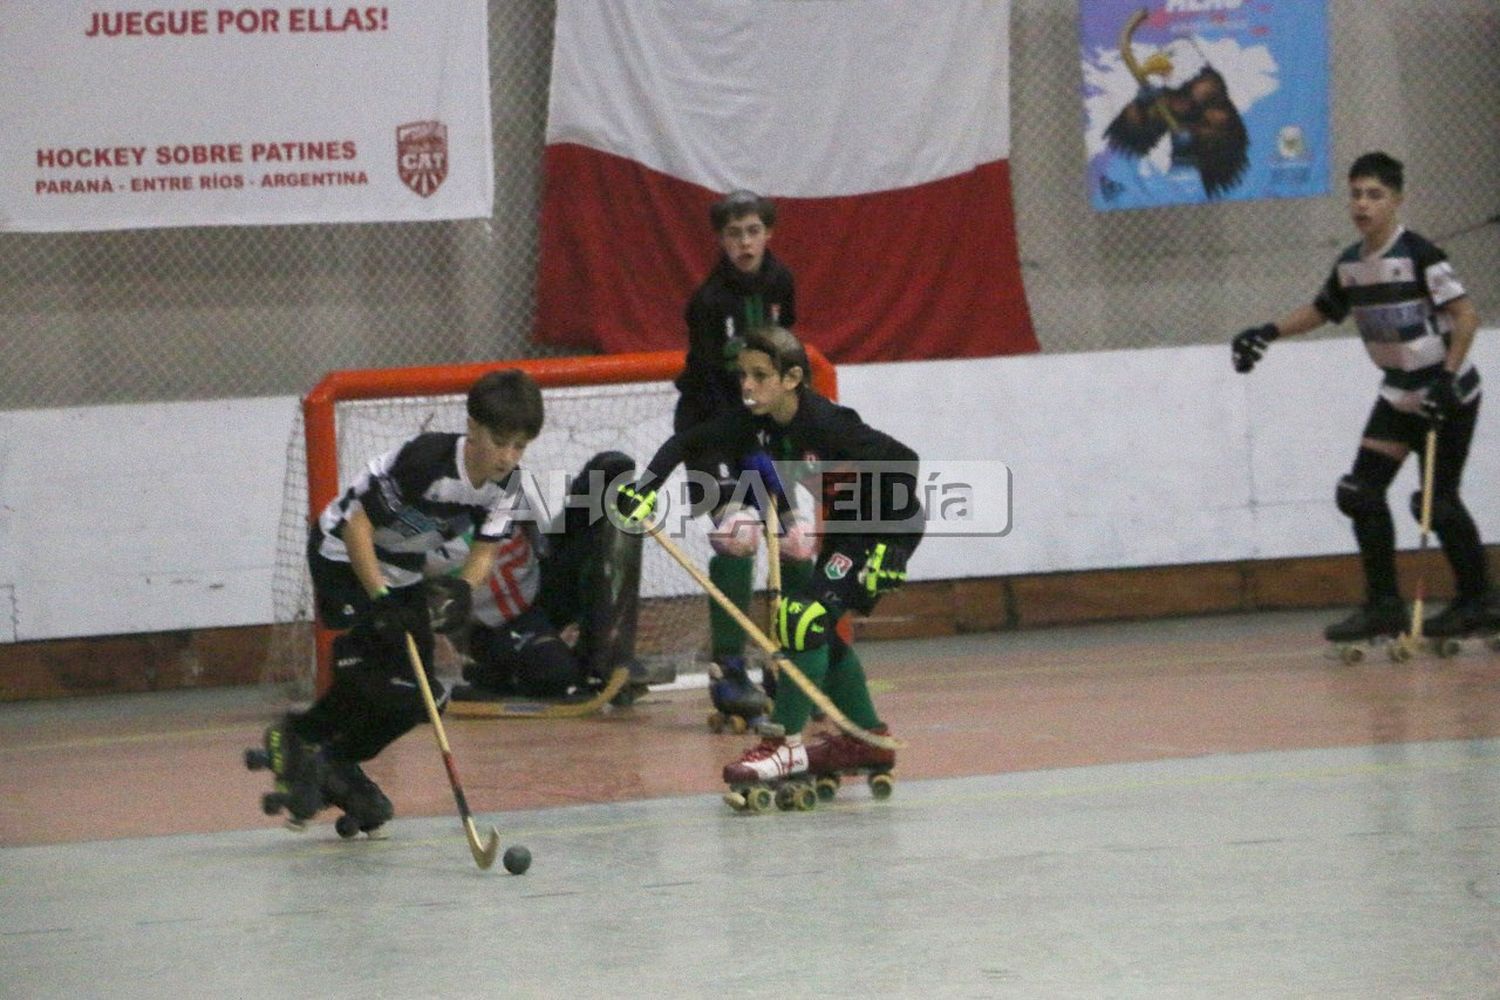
(773, 770)
(838, 754)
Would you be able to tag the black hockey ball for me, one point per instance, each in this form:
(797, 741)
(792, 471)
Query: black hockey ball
(516, 860)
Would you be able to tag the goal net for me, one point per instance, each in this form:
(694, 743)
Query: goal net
(620, 402)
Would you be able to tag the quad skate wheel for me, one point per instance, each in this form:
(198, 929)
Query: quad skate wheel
(1446, 647)
(786, 798)
(715, 722)
(758, 800)
(1351, 654)
(346, 826)
(257, 759)
(804, 797)
(881, 785)
(738, 725)
(271, 803)
(1400, 652)
(827, 787)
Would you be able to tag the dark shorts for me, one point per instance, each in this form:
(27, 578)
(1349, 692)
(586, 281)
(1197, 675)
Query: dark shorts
(1386, 423)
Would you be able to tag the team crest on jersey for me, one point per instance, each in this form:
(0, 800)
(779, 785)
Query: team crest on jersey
(422, 155)
(838, 566)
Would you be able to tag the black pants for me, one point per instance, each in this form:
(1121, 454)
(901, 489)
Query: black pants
(373, 699)
(1451, 521)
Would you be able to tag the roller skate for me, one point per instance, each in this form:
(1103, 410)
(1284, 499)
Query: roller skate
(1476, 617)
(366, 808)
(1381, 622)
(774, 770)
(298, 769)
(739, 705)
(839, 754)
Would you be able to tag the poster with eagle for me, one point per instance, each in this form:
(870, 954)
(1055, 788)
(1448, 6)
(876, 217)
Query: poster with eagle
(1194, 101)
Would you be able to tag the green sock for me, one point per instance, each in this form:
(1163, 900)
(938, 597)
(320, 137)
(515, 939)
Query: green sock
(848, 689)
(793, 707)
(733, 575)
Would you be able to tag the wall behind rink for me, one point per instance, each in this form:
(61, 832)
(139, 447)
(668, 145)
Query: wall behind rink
(145, 518)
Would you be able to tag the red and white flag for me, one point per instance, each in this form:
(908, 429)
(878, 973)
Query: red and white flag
(880, 127)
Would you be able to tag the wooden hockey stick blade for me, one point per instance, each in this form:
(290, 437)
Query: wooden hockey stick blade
(484, 853)
(783, 662)
(505, 708)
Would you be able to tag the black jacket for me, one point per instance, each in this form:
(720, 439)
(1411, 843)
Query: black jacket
(727, 298)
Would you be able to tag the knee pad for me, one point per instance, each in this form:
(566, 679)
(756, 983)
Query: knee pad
(1447, 511)
(736, 532)
(1358, 500)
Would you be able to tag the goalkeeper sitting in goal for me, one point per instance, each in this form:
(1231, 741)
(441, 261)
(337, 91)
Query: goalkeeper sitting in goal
(367, 553)
(577, 570)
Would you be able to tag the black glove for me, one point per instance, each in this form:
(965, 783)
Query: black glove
(1440, 396)
(450, 599)
(394, 614)
(1250, 345)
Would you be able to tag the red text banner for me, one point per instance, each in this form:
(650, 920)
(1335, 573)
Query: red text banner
(263, 114)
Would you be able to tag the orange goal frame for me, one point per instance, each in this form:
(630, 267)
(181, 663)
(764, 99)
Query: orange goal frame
(320, 420)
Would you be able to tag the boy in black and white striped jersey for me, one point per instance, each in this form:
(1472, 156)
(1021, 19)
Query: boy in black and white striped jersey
(1417, 322)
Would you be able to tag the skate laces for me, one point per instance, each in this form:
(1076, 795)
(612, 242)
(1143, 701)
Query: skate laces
(763, 750)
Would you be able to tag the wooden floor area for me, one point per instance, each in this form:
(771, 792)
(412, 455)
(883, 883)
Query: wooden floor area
(141, 765)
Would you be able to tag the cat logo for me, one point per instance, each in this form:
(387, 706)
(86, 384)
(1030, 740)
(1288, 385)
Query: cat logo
(422, 155)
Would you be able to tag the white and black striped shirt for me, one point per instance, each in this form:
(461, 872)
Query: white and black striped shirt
(1395, 295)
(417, 497)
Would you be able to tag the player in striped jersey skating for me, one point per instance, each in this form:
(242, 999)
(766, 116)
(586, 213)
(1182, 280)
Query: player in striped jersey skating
(1417, 322)
(367, 554)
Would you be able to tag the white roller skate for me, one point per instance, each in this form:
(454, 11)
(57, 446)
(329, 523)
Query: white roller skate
(774, 770)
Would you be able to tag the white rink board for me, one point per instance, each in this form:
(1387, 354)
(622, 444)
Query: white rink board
(155, 517)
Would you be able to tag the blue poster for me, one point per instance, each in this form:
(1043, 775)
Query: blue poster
(1193, 101)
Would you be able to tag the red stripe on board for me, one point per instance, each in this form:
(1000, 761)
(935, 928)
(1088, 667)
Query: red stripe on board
(930, 271)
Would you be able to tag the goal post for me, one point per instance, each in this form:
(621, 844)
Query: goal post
(592, 403)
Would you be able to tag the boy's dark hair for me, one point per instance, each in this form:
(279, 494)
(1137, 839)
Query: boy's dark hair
(782, 346)
(739, 203)
(1384, 167)
(507, 402)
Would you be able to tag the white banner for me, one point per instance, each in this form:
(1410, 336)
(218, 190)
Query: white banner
(272, 113)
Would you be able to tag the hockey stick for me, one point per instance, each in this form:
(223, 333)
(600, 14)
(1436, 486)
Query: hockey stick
(509, 708)
(1414, 636)
(773, 570)
(783, 663)
(484, 853)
